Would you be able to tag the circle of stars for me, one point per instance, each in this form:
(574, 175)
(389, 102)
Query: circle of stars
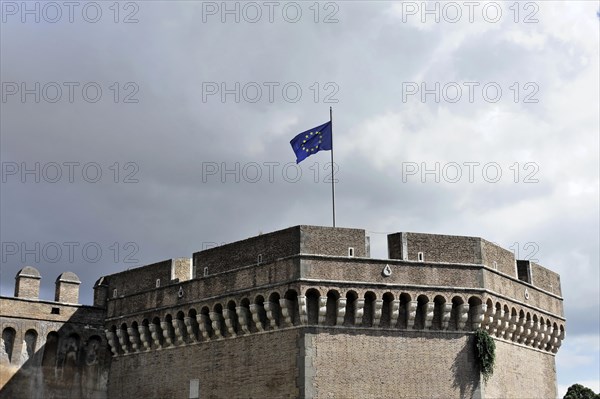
(310, 136)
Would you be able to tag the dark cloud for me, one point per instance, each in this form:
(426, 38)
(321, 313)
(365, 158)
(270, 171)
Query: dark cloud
(175, 133)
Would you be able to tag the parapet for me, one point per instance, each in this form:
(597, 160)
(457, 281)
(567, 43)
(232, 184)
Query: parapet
(435, 248)
(280, 244)
(142, 278)
(261, 249)
(27, 285)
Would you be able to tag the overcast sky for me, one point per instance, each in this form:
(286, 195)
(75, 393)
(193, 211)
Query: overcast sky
(152, 130)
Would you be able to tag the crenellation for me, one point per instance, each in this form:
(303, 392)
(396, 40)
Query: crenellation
(67, 288)
(309, 297)
(28, 283)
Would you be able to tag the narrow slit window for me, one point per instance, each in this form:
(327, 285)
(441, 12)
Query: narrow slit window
(115, 293)
(259, 258)
(157, 283)
(350, 251)
(205, 271)
(420, 257)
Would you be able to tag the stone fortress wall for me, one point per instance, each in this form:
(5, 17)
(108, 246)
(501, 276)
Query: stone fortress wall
(305, 312)
(51, 348)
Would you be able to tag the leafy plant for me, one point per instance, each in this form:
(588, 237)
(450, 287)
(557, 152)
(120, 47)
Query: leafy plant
(578, 391)
(485, 353)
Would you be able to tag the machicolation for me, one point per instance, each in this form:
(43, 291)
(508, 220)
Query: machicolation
(301, 312)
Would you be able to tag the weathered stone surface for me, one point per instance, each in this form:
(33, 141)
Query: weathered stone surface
(291, 314)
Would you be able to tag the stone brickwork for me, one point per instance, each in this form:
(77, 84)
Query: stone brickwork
(332, 241)
(393, 366)
(52, 349)
(27, 283)
(498, 258)
(67, 288)
(545, 279)
(138, 279)
(254, 366)
(519, 371)
(304, 312)
(436, 248)
(182, 269)
(267, 248)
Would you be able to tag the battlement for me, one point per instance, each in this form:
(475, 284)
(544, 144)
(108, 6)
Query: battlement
(143, 278)
(27, 285)
(438, 248)
(49, 347)
(265, 248)
(293, 289)
(429, 251)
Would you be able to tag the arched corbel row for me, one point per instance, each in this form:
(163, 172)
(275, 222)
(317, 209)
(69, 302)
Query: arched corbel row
(320, 306)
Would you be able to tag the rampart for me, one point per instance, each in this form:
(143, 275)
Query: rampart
(51, 348)
(305, 312)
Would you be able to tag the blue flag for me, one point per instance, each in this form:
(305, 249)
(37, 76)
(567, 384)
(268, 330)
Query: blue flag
(312, 141)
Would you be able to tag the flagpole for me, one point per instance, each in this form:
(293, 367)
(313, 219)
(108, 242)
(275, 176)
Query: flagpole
(332, 168)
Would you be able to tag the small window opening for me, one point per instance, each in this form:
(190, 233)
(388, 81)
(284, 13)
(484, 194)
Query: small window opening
(115, 293)
(420, 257)
(205, 271)
(55, 311)
(350, 251)
(157, 283)
(495, 264)
(259, 258)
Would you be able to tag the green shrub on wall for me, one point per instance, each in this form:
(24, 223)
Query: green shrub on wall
(485, 353)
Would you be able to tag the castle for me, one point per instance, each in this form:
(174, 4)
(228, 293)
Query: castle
(302, 312)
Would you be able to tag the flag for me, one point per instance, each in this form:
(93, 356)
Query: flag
(312, 141)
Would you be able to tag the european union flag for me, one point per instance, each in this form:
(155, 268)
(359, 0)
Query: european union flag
(312, 141)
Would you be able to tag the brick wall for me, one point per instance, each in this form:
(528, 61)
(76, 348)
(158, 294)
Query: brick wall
(281, 244)
(438, 248)
(402, 273)
(505, 259)
(520, 373)
(516, 289)
(330, 241)
(139, 279)
(414, 365)
(74, 366)
(27, 287)
(255, 366)
(545, 279)
(205, 287)
(271, 246)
